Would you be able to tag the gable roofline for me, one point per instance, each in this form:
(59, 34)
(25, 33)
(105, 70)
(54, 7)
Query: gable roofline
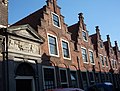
(28, 28)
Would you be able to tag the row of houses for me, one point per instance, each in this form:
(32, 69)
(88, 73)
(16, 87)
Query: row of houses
(41, 52)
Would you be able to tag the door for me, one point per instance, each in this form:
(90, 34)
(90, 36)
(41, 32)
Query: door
(24, 85)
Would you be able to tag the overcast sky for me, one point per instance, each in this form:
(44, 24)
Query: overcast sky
(102, 13)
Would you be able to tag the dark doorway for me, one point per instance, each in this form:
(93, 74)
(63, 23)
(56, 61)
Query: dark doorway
(25, 77)
(24, 85)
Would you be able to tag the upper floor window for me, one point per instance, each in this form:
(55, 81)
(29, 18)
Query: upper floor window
(101, 44)
(101, 59)
(56, 20)
(53, 50)
(113, 63)
(91, 57)
(84, 35)
(65, 48)
(106, 62)
(84, 54)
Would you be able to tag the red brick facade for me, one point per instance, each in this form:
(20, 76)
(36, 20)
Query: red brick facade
(73, 48)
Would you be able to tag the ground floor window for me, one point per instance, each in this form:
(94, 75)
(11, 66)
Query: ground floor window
(73, 76)
(49, 77)
(97, 78)
(63, 78)
(85, 80)
(91, 78)
(107, 77)
(102, 77)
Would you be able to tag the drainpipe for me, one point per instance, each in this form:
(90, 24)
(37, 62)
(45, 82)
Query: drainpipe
(5, 59)
(80, 75)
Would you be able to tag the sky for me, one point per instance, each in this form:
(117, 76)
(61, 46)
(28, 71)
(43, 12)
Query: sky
(102, 13)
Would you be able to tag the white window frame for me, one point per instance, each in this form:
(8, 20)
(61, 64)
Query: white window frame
(66, 76)
(68, 49)
(100, 44)
(93, 56)
(116, 65)
(113, 63)
(101, 61)
(52, 13)
(49, 67)
(56, 44)
(106, 60)
(87, 55)
(86, 36)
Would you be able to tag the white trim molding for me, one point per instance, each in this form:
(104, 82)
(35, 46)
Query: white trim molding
(48, 34)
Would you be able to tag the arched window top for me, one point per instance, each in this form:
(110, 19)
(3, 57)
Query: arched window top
(25, 69)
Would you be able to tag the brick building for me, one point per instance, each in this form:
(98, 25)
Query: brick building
(3, 13)
(42, 52)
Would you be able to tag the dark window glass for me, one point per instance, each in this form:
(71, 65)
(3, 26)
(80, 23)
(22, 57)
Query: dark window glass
(49, 78)
(56, 20)
(84, 35)
(84, 55)
(91, 57)
(65, 49)
(53, 45)
(63, 76)
(105, 59)
(73, 78)
(97, 77)
(101, 59)
(101, 44)
(84, 78)
(91, 77)
(113, 65)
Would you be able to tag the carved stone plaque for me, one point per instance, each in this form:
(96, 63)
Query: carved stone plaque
(23, 46)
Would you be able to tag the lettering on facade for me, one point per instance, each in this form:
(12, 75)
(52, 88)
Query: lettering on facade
(23, 46)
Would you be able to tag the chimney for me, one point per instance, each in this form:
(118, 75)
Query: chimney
(108, 38)
(98, 32)
(81, 21)
(52, 3)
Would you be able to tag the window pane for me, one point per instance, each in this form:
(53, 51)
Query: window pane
(65, 49)
(73, 78)
(63, 76)
(52, 45)
(101, 59)
(84, 35)
(106, 61)
(49, 78)
(56, 20)
(91, 57)
(84, 55)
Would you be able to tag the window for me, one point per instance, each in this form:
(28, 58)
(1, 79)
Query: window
(56, 21)
(49, 78)
(92, 79)
(65, 48)
(85, 80)
(73, 76)
(84, 35)
(91, 57)
(52, 45)
(113, 64)
(101, 44)
(101, 59)
(84, 55)
(63, 78)
(106, 62)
